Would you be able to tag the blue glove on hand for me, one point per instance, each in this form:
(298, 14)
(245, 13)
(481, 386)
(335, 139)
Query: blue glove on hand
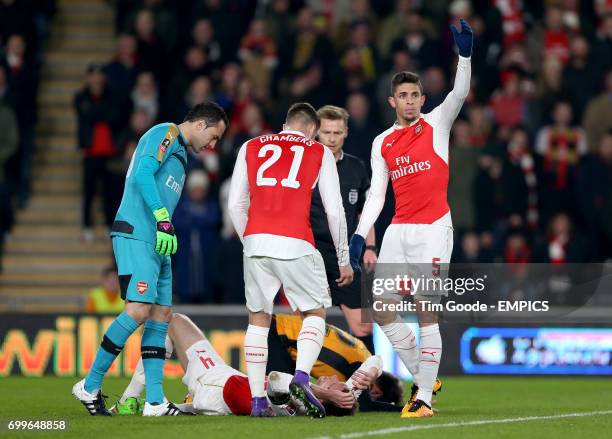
(463, 39)
(355, 250)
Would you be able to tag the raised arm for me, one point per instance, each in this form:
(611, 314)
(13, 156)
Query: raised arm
(447, 111)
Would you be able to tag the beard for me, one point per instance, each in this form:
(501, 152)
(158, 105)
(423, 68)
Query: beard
(408, 119)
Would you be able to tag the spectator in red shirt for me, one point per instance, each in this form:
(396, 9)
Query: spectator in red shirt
(509, 103)
(259, 55)
(562, 244)
(258, 42)
(97, 114)
(550, 40)
(512, 21)
(559, 147)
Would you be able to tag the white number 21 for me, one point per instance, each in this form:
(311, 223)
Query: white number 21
(290, 181)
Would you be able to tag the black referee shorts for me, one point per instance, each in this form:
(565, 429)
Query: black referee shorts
(349, 295)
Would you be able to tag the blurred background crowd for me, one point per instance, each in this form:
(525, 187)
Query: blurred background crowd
(531, 152)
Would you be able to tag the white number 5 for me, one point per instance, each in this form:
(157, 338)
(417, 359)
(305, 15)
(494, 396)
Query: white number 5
(290, 181)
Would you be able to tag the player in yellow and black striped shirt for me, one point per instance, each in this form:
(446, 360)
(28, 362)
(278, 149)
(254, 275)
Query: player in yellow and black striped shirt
(341, 355)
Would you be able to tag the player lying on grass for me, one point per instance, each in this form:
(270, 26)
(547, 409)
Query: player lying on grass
(341, 355)
(215, 388)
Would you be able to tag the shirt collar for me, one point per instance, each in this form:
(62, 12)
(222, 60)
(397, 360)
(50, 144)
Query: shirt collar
(397, 126)
(181, 139)
(298, 133)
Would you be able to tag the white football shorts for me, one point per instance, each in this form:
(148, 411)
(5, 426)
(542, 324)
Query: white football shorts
(303, 280)
(417, 251)
(205, 378)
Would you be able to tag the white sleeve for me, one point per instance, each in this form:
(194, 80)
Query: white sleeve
(446, 113)
(373, 364)
(238, 199)
(329, 188)
(375, 200)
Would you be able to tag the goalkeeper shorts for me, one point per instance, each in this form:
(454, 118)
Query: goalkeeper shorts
(144, 275)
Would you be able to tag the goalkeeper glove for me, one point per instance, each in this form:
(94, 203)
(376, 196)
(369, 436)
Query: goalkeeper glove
(165, 242)
(355, 250)
(463, 39)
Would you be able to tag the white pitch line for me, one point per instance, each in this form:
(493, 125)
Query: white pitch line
(463, 424)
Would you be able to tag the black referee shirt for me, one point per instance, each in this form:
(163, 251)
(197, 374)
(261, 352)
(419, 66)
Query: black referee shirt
(354, 183)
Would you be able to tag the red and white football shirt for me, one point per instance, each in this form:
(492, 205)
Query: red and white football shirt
(415, 158)
(270, 196)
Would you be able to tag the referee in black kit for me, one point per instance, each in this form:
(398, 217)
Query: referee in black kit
(354, 184)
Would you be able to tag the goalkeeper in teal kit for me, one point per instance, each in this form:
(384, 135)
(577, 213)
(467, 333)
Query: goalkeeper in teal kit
(143, 240)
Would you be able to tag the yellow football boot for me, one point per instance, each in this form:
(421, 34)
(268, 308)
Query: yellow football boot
(436, 388)
(417, 409)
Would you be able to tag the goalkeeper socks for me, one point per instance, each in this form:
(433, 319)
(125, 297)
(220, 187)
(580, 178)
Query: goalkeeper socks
(256, 355)
(431, 351)
(153, 351)
(309, 343)
(137, 383)
(403, 341)
(112, 343)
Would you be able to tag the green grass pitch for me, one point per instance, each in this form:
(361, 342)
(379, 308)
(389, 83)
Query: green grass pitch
(464, 400)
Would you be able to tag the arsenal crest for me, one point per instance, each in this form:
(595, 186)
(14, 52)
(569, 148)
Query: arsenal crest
(142, 287)
(418, 129)
(353, 196)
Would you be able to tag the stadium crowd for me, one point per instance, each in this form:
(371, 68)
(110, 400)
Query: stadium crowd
(23, 28)
(531, 152)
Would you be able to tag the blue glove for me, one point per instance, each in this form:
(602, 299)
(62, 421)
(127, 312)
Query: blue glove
(355, 250)
(463, 39)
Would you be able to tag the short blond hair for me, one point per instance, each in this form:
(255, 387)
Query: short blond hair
(331, 112)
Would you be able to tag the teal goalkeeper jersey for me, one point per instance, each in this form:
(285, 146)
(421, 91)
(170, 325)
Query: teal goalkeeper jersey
(155, 179)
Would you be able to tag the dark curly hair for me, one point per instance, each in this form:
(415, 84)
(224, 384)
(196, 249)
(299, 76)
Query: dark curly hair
(334, 410)
(391, 387)
(209, 111)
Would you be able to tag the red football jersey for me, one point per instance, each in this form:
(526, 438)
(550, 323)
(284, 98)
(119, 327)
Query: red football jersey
(415, 158)
(282, 171)
(418, 174)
